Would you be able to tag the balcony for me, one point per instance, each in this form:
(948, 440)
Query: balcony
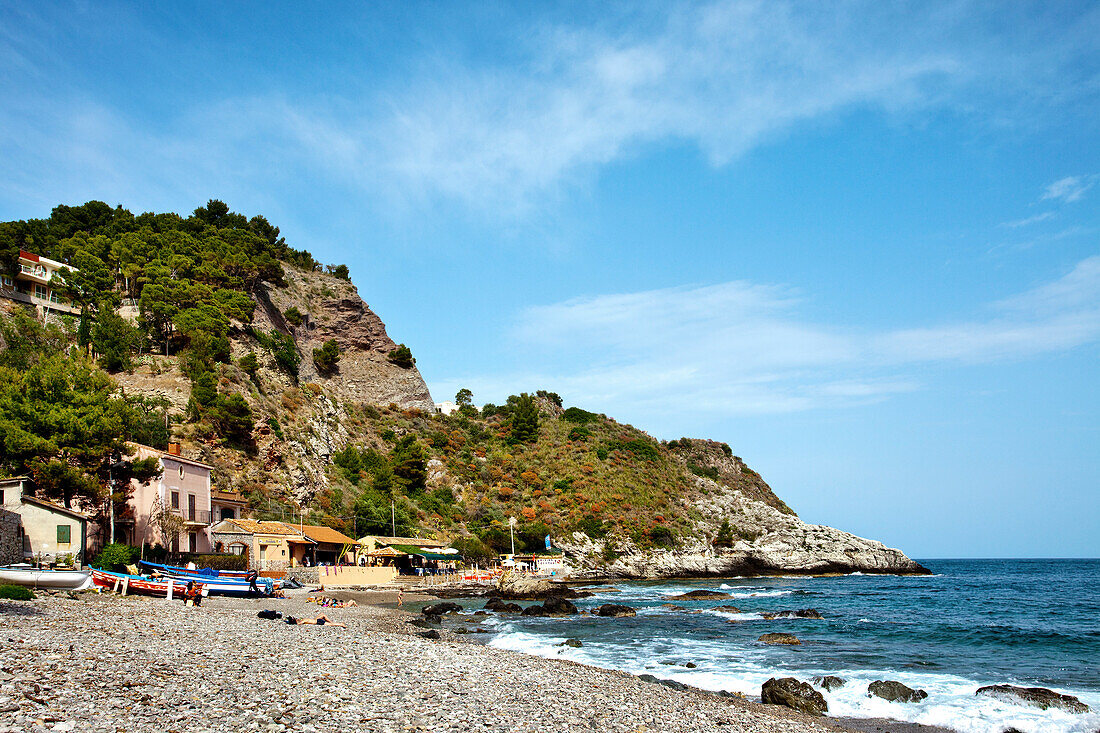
(34, 272)
(193, 516)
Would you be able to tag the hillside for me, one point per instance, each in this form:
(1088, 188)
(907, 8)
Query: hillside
(273, 369)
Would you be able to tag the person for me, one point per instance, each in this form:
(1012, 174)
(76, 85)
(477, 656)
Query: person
(192, 594)
(251, 577)
(319, 621)
(400, 597)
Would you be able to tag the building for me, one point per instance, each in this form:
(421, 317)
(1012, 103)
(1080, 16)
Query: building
(269, 546)
(446, 407)
(184, 490)
(44, 530)
(371, 543)
(330, 547)
(38, 282)
(227, 505)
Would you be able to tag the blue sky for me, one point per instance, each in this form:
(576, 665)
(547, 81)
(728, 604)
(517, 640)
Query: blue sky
(860, 242)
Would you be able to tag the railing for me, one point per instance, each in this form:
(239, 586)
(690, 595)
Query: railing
(38, 272)
(198, 516)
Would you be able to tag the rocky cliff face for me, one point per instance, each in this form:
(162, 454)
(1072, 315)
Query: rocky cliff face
(767, 537)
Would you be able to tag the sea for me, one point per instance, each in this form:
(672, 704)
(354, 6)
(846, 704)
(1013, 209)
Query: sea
(1032, 623)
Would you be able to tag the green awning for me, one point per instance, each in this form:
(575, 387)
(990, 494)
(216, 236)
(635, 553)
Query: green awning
(414, 550)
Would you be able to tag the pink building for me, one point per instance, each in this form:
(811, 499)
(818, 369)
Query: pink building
(184, 489)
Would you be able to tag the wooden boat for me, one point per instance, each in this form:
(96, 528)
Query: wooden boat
(140, 584)
(215, 584)
(224, 580)
(35, 578)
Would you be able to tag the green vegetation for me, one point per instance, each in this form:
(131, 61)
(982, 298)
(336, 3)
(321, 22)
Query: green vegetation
(16, 593)
(724, 538)
(525, 418)
(327, 357)
(402, 357)
(293, 316)
(115, 555)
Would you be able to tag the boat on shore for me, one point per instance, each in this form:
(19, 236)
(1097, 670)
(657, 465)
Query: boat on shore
(215, 581)
(140, 584)
(33, 577)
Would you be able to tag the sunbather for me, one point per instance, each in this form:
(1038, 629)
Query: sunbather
(319, 621)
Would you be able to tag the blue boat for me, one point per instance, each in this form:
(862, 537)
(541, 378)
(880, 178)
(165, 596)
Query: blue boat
(216, 582)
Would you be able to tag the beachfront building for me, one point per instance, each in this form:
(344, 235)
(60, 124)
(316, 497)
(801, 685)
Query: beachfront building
(269, 546)
(227, 505)
(44, 531)
(410, 555)
(37, 281)
(330, 547)
(184, 490)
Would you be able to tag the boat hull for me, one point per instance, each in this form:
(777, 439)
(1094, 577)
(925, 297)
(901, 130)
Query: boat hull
(139, 584)
(60, 579)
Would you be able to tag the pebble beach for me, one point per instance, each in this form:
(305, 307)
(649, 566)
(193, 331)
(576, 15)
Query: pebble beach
(100, 662)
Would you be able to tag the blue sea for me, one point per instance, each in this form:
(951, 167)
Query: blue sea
(972, 623)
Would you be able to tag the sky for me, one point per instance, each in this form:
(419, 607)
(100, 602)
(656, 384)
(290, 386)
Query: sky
(859, 242)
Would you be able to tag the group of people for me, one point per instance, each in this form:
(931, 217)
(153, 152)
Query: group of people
(331, 602)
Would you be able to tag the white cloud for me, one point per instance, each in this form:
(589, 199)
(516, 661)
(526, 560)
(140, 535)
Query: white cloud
(1069, 189)
(1028, 221)
(740, 348)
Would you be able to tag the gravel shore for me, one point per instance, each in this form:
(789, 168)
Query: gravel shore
(99, 662)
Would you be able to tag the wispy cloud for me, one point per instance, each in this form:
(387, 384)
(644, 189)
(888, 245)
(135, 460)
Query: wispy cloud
(742, 348)
(1028, 221)
(1070, 189)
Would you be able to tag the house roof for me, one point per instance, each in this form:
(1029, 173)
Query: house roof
(172, 456)
(255, 526)
(54, 507)
(319, 533)
(226, 497)
(418, 541)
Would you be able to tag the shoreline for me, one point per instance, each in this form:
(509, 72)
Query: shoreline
(101, 662)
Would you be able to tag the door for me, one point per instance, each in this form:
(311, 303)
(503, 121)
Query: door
(191, 507)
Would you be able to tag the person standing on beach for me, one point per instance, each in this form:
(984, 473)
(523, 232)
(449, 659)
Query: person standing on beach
(400, 597)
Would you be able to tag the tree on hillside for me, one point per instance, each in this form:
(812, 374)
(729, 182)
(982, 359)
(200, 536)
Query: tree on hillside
(327, 357)
(402, 357)
(525, 418)
(464, 397)
(409, 464)
(113, 339)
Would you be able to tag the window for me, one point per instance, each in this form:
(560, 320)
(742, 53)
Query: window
(6, 281)
(237, 548)
(64, 534)
(175, 543)
(227, 512)
(181, 471)
(175, 500)
(1, 496)
(40, 291)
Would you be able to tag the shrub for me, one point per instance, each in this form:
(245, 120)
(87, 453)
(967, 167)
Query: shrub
(16, 593)
(402, 357)
(662, 537)
(552, 397)
(724, 537)
(249, 365)
(276, 429)
(293, 316)
(642, 448)
(580, 433)
(706, 471)
(601, 453)
(114, 555)
(327, 357)
(217, 562)
(577, 415)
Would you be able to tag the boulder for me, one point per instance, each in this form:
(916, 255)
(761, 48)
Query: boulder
(535, 610)
(575, 643)
(522, 588)
(1039, 697)
(828, 682)
(895, 691)
(438, 609)
(501, 606)
(615, 610)
(699, 595)
(792, 693)
(778, 639)
(433, 634)
(691, 665)
(559, 607)
(811, 613)
(727, 609)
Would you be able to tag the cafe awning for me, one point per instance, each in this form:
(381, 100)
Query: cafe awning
(426, 554)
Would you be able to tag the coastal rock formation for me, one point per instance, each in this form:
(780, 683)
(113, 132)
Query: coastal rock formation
(696, 595)
(895, 691)
(1039, 697)
(828, 682)
(615, 610)
(438, 609)
(780, 639)
(524, 588)
(810, 613)
(792, 693)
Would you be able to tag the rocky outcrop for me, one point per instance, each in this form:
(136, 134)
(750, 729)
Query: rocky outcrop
(780, 639)
(768, 541)
(828, 682)
(895, 691)
(615, 610)
(1039, 697)
(696, 595)
(792, 693)
(523, 588)
(810, 613)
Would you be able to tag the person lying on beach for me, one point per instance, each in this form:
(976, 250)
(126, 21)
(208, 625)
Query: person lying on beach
(319, 621)
(332, 602)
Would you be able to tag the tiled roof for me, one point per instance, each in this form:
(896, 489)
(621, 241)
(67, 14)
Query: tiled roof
(418, 541)
(254, 526)
(319, 533)
(172, 456)
(54, 507)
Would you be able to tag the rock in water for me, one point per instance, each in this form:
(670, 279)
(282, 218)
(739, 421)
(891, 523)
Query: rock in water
(1039, 697)
(535, 610)
(792, 693)
(811, 613)
(614, 610)
(559, 607)
(522, 588)
(828, 682)
(696, 595)
(895, 691)
(438, 609)
(501, 606)
(775, 639)
(575, 643)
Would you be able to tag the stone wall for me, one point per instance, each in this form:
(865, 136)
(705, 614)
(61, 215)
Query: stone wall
(11, 539)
